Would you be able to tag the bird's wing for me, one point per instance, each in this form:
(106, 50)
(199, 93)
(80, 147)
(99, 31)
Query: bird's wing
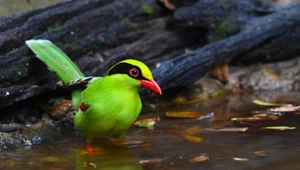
(83, 81)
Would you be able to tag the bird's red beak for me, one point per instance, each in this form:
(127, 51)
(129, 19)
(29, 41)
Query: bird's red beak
(152, 85)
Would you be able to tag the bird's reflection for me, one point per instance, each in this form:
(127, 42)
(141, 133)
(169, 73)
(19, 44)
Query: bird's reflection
(111, 155)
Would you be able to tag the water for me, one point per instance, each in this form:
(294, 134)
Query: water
(167, 144)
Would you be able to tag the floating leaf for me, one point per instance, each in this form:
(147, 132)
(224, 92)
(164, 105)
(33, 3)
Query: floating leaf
(199, 159)
(262, 103)
(260, 154)
(194, 139)
(255, 118)
(184, 114)
(279, 128)
(286, 108)
(240, 159)
(151, 161)
(132, 142)
(242, 129)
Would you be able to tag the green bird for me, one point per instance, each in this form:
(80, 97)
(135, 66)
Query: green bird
(107, 106)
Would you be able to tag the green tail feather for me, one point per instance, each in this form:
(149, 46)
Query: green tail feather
(57, 61)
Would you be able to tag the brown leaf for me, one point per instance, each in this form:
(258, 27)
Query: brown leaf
(183, 114)
(151, 161)
(259, 154)
(199, 159)
(255, 118)
(59, 110)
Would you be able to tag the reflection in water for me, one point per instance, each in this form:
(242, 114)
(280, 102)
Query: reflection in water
(168, 142)
(113, 155)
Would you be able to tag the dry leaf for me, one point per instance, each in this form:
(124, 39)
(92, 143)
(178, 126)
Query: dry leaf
(132, 142)
(194, 139)
(59, 110)
(286, 108)
(255, 118)
(233, 129)
(199, 159)
(183, 114)
(260, 154)
(151, 161)
(279, 128)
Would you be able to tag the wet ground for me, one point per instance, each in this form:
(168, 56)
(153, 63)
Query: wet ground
(173, 143)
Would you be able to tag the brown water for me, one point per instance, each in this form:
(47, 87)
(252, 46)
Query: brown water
(167, 141)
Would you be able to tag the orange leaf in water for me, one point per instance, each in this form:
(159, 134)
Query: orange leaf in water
(194, 139)
(189, 115)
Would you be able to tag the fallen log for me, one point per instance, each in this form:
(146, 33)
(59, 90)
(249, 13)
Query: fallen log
(191, 66)
(97, 33)
(94, 33)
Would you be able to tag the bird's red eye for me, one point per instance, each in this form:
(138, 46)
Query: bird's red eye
(134, 72)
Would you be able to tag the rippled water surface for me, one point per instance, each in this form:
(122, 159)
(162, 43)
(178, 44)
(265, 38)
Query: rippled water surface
(166, 146)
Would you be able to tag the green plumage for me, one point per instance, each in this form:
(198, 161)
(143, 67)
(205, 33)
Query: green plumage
(111, 104)
(58, 62)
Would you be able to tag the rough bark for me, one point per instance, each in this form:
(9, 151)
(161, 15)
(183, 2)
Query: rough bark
(264, 31)
(94, 33)
(97, 33)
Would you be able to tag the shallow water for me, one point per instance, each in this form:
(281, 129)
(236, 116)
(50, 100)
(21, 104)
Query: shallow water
(167, 142)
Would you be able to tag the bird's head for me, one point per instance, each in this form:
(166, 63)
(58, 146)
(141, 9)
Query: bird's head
(136, 70)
